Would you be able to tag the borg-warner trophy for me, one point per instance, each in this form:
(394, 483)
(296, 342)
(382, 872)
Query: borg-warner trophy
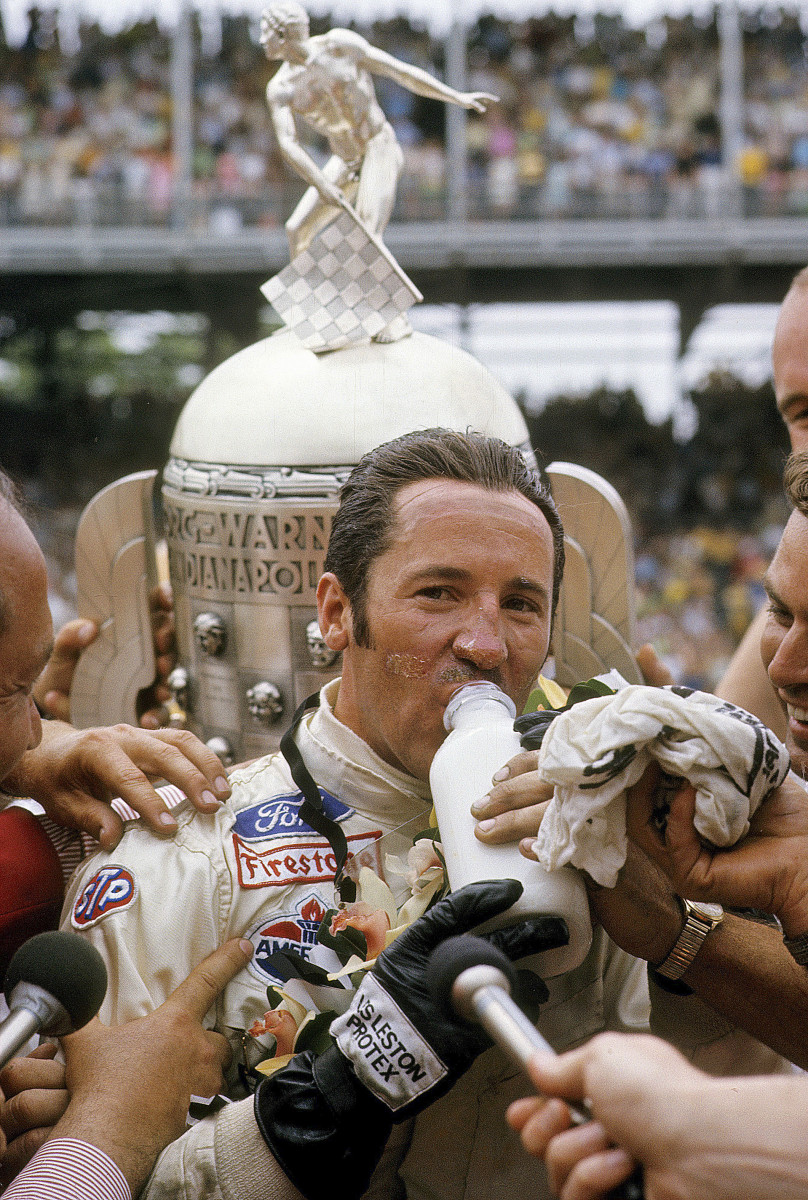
(264, 443)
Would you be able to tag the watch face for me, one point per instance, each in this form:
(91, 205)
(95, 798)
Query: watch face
(710, 912)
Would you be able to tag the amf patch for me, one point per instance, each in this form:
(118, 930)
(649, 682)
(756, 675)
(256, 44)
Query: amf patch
(295, 930)
(112, 889)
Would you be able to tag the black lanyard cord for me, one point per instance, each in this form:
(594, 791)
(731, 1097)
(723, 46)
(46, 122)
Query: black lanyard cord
(312, 809)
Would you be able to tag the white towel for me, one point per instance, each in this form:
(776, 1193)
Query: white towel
(597, 749)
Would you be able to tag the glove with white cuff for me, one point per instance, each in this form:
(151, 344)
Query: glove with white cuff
(328, 1118)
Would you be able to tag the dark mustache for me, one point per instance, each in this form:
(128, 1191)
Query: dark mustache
(464, 673)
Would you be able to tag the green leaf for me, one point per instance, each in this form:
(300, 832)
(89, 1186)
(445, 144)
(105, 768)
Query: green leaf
(537, 700)
(588, 691)
(357, 940)
(314, 1035)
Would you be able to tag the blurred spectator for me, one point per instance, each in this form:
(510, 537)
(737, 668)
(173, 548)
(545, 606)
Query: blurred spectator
(697, 592)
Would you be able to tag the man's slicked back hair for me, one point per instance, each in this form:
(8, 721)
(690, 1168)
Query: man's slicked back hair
(795, 480)
(363, 525)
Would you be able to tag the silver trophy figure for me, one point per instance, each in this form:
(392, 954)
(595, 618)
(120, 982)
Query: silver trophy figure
(327, 82)
(338, 257)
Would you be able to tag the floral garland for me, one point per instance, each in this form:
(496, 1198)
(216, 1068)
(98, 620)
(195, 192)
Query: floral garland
(357, 933)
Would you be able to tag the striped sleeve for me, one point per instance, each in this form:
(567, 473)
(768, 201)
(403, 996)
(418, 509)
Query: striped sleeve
(168, 792)
(67, 1167)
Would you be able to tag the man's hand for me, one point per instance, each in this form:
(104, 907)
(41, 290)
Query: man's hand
(51, 691)
(396, 1050)
(396, 992)
(150, 701)
(767, 869)
(641, 914)
(35, 1098)
(130, 1086)
(654, 671)
(704, 1138)
(514, 807)
(75, 773)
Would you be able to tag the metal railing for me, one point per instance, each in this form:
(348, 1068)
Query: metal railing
(103, 203)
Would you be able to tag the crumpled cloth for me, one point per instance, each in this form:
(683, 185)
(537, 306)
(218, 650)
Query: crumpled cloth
(597, 749)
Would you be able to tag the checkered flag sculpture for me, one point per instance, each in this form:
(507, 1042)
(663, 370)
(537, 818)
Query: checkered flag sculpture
(346, 287)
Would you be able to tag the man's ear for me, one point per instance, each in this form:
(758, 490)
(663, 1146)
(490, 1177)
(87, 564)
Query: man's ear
(334, 612)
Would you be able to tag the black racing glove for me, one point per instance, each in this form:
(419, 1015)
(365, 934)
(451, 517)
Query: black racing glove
(327, 1119)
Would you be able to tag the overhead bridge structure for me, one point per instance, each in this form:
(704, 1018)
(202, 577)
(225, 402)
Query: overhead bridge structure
(696, 263)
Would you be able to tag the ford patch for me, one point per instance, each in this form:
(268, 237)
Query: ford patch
(280, 817)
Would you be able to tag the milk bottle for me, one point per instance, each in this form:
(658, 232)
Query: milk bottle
(481, 739)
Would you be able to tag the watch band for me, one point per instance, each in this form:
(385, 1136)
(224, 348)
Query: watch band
(700, 920)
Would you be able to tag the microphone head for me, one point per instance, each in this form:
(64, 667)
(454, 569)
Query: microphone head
(455, 955)
(66, 966)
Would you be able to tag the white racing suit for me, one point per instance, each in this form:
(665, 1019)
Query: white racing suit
(155, 908)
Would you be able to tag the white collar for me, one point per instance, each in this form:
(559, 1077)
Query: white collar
(342, 763)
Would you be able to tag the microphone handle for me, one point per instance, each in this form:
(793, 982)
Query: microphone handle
(31, 1009)
(20, 1025)
(511, 1029)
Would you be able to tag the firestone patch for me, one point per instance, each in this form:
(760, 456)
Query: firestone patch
(277, 864)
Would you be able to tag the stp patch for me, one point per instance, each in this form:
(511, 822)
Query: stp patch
(112, 889)
(295, 930)
(280, 817)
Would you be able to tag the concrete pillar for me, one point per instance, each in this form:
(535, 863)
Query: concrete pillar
(182, 116)
(456, 121)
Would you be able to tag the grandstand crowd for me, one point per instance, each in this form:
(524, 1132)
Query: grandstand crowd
(596, 119)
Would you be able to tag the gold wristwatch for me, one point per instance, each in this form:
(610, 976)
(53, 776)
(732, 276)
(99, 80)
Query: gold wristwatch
(700, 920)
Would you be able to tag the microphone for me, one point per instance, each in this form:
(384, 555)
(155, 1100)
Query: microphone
(55, 984)
(468, 977)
